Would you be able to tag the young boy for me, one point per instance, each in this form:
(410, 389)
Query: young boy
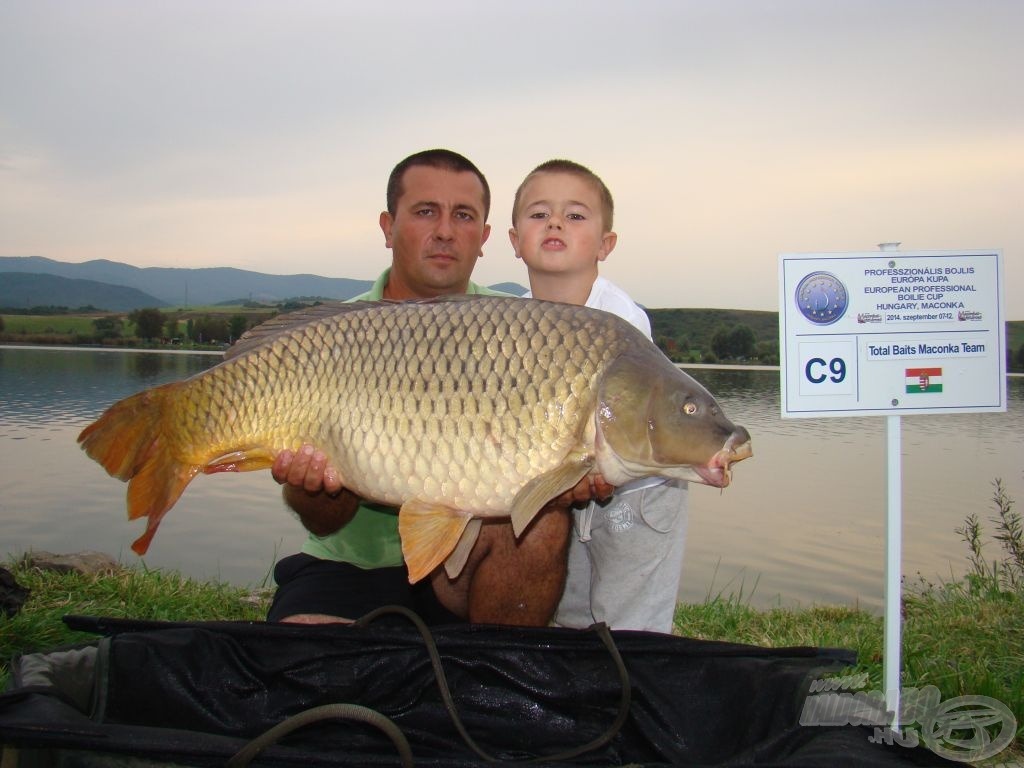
(625, 559)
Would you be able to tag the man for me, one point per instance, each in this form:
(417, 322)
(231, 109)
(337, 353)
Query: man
(435, 225)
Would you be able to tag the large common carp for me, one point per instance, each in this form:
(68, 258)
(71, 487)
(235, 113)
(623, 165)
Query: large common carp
(453, 409)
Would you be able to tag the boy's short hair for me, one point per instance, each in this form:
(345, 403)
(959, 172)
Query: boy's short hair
(574, 169)
(443, 159)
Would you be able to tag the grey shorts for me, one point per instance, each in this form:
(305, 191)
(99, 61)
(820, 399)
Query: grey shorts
(626, 559)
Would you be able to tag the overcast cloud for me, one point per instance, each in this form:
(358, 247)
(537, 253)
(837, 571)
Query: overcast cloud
(260, 134)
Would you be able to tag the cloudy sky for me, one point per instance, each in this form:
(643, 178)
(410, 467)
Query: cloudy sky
(260, 134)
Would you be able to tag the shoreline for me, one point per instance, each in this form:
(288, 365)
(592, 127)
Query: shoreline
(99, 348)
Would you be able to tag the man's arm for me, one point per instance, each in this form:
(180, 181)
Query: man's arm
(313, 490)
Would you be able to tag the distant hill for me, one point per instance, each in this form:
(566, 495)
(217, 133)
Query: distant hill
(514, 288)
(679, 330)
(700, 324)
(27, 290)
(178, 286)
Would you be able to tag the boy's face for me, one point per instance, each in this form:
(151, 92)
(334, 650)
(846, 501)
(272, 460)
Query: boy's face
(559, 227)
(436, 234)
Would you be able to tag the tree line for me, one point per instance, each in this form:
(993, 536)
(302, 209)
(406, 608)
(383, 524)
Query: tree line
(716, 335)
(151, 325)
(684, 335)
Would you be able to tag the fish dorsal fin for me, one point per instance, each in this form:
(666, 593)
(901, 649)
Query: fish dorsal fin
(539, 491)
(457, 559)
(429, 533)
(272, 328)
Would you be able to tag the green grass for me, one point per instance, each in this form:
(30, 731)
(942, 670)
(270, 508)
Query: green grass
(38, 325)
(127, 593)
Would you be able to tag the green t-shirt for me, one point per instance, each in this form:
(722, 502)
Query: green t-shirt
(370, 539)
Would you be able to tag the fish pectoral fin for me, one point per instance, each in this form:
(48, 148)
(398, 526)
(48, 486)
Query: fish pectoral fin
(542, 489)
(456, 561)
(245, 460)
(429, 533)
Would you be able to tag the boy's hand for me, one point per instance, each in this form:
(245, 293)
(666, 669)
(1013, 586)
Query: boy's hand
(590, 488)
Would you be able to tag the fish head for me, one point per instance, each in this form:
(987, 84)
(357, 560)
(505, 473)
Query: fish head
(654, 419)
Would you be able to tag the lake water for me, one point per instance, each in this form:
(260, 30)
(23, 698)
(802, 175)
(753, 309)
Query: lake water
(803, 522)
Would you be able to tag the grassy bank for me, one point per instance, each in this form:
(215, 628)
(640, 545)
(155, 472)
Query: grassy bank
(964, 637)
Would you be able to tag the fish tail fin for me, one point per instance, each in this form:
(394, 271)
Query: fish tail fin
(127, 442)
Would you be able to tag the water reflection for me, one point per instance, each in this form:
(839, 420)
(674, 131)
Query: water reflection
(147, 367)
(52, 497)
(73, 386)
(804, 519)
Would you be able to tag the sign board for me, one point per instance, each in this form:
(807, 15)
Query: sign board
(892, 332)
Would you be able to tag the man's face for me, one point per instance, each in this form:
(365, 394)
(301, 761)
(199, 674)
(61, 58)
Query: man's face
(436, 234)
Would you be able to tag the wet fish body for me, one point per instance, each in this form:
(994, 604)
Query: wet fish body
(454, 410)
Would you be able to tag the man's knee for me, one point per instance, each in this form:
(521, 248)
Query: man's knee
(547, 537)
(510, 580)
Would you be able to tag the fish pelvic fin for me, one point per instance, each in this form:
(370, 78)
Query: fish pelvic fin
(457, 559)
(127, 441)
(540, 490)
(246, 460)
(429, 534)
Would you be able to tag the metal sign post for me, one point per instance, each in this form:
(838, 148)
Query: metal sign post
(893, 620)
(892, 333)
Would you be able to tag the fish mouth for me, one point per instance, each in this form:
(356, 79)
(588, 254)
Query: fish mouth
(718, 471)
(553, 242)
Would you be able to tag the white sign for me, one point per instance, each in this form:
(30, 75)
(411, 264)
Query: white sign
(891, 332)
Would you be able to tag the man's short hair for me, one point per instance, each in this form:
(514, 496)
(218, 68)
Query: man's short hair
(444, 159)
(574, 169)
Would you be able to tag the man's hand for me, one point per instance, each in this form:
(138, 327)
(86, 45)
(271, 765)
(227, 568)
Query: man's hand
(313, 490)
(307, 469)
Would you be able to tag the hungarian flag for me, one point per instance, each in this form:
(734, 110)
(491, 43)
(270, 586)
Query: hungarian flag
(924, 380)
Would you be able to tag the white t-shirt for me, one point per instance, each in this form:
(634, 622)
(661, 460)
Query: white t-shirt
(606, 295)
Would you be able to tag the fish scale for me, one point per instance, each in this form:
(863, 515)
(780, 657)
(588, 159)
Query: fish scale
(485, 404)
(453, 409)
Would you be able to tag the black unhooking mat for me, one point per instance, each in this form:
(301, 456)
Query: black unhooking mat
(201, 694)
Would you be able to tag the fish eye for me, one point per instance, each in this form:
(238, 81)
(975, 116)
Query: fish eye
(689, 408)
